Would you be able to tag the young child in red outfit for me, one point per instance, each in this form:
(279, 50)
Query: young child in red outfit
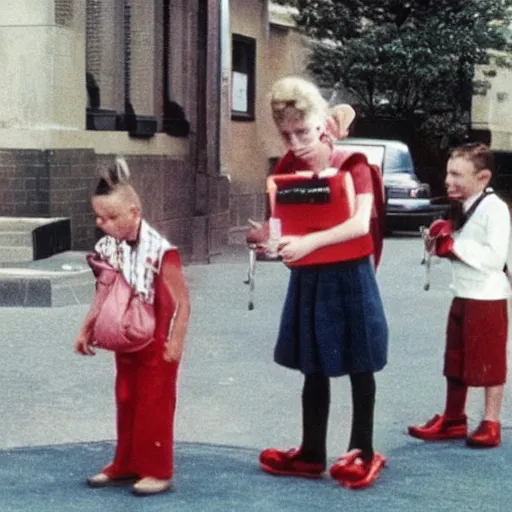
(145, 387)
(476, 337)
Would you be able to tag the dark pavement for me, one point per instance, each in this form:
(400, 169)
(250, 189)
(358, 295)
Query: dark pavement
(420, 477)
(58, 415)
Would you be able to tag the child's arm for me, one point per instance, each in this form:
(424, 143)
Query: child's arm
(356, 226)
(488, 252)
(175, 286)
(293, 248)
(83, 340)
(317, 155)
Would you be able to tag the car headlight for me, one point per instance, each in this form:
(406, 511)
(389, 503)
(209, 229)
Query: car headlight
(422, 192)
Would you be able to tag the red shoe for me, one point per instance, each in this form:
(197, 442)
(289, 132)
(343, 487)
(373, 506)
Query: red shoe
(487, 435)
(350, 466)
(287, 463)
(437, 429)
(370, 472)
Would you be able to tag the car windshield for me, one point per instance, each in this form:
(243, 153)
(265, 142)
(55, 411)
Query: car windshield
(397, 161)
(375, 154)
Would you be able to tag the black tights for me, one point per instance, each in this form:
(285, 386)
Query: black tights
(315, 415)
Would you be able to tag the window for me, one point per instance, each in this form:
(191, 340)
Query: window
(104, 59)
(120, 66)
(243, 78)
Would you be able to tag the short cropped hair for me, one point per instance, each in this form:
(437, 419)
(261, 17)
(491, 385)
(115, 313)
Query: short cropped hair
(477, 152)
(116, 179)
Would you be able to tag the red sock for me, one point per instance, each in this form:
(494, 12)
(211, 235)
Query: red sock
(456, 394)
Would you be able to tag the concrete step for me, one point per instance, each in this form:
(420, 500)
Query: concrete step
(16, 238)
(16, 254)
(63, 279)
(24, 223)
(32, 238)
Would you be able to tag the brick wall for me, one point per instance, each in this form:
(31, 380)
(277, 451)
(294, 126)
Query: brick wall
(24, 183)
(166, 188)
(72, 178)
(59, 183)
(53, 183)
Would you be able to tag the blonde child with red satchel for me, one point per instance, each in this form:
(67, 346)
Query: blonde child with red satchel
(333, 322)
(133, 253)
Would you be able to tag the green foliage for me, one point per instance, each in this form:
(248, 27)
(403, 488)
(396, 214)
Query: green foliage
(404, 57)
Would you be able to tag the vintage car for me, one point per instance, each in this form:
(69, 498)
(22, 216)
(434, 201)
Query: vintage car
(407, 199)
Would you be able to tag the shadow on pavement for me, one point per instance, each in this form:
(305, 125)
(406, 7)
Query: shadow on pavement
(420, 476)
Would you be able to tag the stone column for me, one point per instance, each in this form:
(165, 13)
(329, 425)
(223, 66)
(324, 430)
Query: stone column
(42, 49)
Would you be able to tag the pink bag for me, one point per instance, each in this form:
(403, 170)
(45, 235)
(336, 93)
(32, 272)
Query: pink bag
(124, 321)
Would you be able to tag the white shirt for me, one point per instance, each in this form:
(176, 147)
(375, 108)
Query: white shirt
(482, 248)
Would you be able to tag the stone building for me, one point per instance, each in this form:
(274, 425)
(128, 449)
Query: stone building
(178, 87)
(85, 80)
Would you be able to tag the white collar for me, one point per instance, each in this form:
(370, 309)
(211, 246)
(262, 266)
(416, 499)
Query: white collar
(468, 203)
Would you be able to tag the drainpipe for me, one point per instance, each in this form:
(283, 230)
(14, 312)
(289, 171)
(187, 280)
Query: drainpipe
(225, 88)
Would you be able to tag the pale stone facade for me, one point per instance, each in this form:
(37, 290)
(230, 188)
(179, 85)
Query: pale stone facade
(493, 111)
(57, 127)
(280, 51)
(42, 67)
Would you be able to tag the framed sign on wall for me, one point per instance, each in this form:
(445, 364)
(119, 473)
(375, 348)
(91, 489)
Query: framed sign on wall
(243, 75)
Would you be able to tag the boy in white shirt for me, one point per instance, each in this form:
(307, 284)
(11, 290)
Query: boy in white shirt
(477, 322)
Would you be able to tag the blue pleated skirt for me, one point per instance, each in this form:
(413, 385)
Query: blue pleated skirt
(333, 321)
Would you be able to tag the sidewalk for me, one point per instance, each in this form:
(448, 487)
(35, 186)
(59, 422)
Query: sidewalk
(65, 279)
(58, 414)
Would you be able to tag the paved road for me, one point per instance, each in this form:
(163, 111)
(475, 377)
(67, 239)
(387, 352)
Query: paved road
(57, 408)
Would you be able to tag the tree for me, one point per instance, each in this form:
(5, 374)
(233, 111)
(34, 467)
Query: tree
(406, 58)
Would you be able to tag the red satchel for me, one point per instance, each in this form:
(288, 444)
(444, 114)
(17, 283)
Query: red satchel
(306, 203)
(124, 322)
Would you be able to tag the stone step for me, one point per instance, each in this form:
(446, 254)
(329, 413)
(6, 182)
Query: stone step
(37, 268)
(15, 254)
(24, 223)
(63, 279)
(32, 238)
(16, 238)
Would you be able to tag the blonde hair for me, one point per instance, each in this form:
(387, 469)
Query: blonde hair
(115, 179)
(295, 98)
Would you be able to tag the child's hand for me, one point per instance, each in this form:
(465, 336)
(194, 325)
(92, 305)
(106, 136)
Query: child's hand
(173, 351)
(440, 228)
(258, 234)
(317, 154)
(82, 346)
(293, 248)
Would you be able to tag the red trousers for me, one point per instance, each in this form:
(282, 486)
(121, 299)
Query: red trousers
(145, 392)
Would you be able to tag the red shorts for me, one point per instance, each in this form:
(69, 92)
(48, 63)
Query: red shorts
(476, 342)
